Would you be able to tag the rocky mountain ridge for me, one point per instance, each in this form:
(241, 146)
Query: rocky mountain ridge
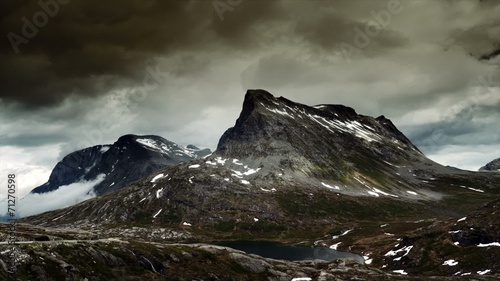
(130, 158)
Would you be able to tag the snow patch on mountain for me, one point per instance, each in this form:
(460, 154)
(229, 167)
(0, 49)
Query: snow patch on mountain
(450, 262)
(221, 160)
(342, 234)
(278, 111)
(158, 192)
(157, 177)
(329, 186)
(157, 213)
(105, 148)
(406, 251)
(484, 272)
(151, 144)
(493, 244)
(473, 189)
(335, 246)
(164, 148)
(400, 271)
(352, 127)
(251, 171)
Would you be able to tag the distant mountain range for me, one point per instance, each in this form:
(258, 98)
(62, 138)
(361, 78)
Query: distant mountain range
(130, 158)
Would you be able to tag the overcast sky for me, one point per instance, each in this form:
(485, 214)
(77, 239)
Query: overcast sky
(76, 73)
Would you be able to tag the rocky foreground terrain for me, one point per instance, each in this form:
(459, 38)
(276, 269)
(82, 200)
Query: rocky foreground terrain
(321, 176)
(153, 254)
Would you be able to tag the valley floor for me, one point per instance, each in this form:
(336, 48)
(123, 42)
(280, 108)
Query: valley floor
(72, 254)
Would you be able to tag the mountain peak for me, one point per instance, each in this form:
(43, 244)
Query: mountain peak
(255, 99)
(258, 95)
(263, 100)
(126, 160)
(304, 140)
(132, 139)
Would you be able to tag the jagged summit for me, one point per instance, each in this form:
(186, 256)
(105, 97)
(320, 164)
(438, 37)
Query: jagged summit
(325, 140)
(262, 100)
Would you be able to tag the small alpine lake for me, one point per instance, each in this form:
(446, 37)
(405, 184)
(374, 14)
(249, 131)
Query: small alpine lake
(280, 251)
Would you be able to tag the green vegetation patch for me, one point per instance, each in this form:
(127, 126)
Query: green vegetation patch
(343, 208)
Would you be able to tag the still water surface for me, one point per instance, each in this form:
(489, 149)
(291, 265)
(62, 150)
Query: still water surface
(287, 252)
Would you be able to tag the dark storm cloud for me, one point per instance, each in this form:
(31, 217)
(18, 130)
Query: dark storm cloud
(473, 124)
(332, 31)
(276, 71)
(86, 48)
(84, 65)
(490, 55)
(481, 41)
(239, 27)
(89, 47)
(190, 65)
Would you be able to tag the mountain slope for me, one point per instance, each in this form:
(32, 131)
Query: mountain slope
(130, 158)
(491, 166)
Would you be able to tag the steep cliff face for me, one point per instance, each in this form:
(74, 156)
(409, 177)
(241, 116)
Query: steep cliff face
(130, 158)
(72, 167)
